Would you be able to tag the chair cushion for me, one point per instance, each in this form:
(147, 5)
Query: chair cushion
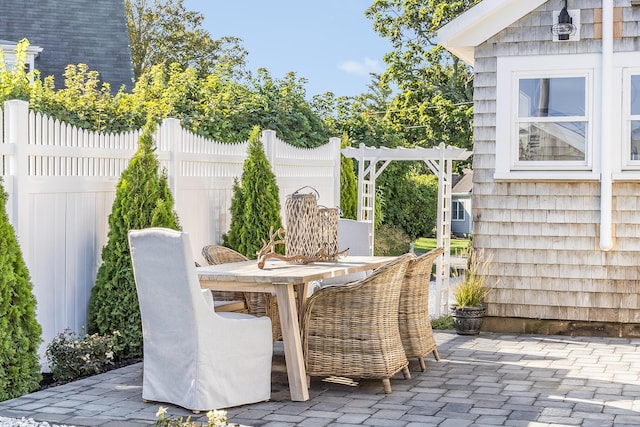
(343, 280)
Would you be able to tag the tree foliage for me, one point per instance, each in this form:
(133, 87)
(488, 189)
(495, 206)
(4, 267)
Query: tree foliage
(255, 207)
(165, 32)
(20, 332)
(143, 199)
(214, 106)
(15, 81)
(434, 103)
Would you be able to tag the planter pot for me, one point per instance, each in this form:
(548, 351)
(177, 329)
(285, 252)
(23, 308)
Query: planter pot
(468, 320)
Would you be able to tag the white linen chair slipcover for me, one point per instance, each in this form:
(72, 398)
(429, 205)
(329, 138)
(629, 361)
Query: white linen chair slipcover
(194, 357)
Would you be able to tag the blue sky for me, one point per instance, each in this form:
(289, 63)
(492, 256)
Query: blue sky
(328, 42)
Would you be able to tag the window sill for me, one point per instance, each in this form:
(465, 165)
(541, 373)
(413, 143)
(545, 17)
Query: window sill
(546, 176)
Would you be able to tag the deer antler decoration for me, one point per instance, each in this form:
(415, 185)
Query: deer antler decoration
(268, 251)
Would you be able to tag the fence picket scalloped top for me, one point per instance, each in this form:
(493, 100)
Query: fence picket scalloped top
(193, 143)
(46, 130)
(288, 151)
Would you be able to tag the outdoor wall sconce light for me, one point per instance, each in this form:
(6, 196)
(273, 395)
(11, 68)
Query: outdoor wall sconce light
(564, 28)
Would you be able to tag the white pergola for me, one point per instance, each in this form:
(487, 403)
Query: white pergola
(373, 161)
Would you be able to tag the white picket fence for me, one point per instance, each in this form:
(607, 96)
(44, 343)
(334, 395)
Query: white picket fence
(61, 184)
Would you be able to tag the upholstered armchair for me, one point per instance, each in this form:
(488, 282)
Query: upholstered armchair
(193, 356)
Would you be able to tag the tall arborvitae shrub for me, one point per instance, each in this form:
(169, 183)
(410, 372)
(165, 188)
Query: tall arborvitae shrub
(143, 200)
(255, 207)
(232, 238)
(348, 184)
(20, 333)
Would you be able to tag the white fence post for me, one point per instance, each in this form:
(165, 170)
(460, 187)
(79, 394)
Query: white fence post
(17, 134)
(269, 143)
(335, 148)
(171, 132)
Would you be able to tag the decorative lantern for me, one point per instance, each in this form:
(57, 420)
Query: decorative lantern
(301, 236)
(328, 232)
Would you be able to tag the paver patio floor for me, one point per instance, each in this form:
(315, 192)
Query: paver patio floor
(486, 380)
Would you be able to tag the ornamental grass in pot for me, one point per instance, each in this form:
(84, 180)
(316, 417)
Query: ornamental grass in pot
(469, 308)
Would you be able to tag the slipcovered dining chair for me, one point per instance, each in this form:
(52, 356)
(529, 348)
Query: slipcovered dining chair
(193, 357)
(413, 311)
(258, 303)
(352, 330)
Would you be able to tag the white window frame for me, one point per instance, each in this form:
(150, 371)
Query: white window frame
(455, 211)
(627, 118)
(8, 51)
(509, 72)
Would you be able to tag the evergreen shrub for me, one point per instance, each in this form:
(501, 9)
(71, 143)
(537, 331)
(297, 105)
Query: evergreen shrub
(143, 199)
(348, 185)
(20, 332)
(255, 206)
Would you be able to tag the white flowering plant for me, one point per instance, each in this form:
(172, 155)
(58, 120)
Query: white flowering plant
(71, 356)
(215, 418)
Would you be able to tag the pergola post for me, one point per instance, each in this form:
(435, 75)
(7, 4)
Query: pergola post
(440, 162)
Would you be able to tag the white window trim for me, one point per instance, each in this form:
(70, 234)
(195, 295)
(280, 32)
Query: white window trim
(510, 70)
(624, 66)
(463, 209)
(627, 118)
(8, 51)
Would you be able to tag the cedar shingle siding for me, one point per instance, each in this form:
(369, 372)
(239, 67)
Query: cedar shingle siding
(544, 235)
(92, 32)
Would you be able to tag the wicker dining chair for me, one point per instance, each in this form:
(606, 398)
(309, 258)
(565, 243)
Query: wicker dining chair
(351, 330)
(258, 303)
(413, 311)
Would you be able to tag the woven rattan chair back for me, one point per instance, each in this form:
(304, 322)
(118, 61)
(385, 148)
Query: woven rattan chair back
(413, 311)
(258, 303)
(352, 330)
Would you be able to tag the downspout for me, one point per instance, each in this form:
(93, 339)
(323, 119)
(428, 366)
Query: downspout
(606, 184)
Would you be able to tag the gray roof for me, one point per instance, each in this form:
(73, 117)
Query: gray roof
(465, 184)
(91, 32)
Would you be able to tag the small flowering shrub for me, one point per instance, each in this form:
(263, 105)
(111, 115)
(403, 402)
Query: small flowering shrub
(71, 356)
(215, 419)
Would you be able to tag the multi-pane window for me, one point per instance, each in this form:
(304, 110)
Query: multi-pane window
(457, 209)
(545, 121)
(552, 119)
(634, 118)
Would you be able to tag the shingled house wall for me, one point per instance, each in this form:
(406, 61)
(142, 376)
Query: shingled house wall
(543, 235)
(92, 32)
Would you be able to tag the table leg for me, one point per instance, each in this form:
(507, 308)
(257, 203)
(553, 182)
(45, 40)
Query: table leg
(292, 342)
(301, 293)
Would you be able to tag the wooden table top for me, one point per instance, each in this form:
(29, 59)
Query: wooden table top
(276, 271)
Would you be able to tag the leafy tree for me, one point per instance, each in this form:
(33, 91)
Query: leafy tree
(434, 102)
(280, 105)
(86, 102)
(165, 32)
(414, 196)
(20, 333)
(143, 199)
(348, 184)
(256, 205)
(15, 81)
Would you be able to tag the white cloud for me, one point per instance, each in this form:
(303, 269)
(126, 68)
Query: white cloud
(362, 68)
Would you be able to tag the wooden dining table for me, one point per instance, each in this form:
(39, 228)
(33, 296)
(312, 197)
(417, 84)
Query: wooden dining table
(285, 279)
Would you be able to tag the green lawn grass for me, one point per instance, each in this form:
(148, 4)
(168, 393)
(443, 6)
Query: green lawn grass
(425, 244)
